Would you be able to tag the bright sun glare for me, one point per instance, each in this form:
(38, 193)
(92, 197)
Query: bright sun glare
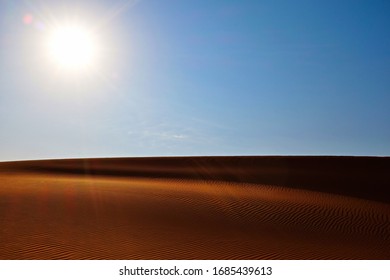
(72, 47)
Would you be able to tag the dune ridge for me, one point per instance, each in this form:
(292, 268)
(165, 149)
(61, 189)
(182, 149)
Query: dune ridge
(363, 177)
(196, 208)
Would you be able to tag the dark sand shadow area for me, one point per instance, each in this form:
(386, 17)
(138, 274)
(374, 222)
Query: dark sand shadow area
(196, 208)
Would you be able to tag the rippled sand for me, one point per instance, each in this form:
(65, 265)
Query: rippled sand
(196, 208)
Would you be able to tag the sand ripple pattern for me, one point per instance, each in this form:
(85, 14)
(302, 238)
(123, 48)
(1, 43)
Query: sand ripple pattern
(46, 216)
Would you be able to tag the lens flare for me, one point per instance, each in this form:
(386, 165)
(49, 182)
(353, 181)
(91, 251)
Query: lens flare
(28, 19)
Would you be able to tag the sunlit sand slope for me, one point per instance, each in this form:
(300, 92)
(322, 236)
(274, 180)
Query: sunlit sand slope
(196, 208)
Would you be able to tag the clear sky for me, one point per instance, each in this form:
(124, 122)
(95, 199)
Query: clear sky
(204, 77)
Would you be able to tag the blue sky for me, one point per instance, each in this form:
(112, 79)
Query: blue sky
(199, 78)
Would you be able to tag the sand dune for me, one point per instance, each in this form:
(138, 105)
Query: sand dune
(196, 208)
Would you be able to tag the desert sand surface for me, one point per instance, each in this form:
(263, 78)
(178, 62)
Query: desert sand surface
(196, 208)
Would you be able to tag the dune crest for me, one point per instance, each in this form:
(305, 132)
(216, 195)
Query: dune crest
(196, 208)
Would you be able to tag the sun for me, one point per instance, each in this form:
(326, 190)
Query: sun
(72, 47)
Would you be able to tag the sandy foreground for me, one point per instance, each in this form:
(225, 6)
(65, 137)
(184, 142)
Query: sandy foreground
(196, 208)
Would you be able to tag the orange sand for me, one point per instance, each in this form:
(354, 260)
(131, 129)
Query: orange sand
(196, 208)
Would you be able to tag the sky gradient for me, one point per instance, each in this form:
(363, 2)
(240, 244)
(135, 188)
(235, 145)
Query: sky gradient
(202, 77)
